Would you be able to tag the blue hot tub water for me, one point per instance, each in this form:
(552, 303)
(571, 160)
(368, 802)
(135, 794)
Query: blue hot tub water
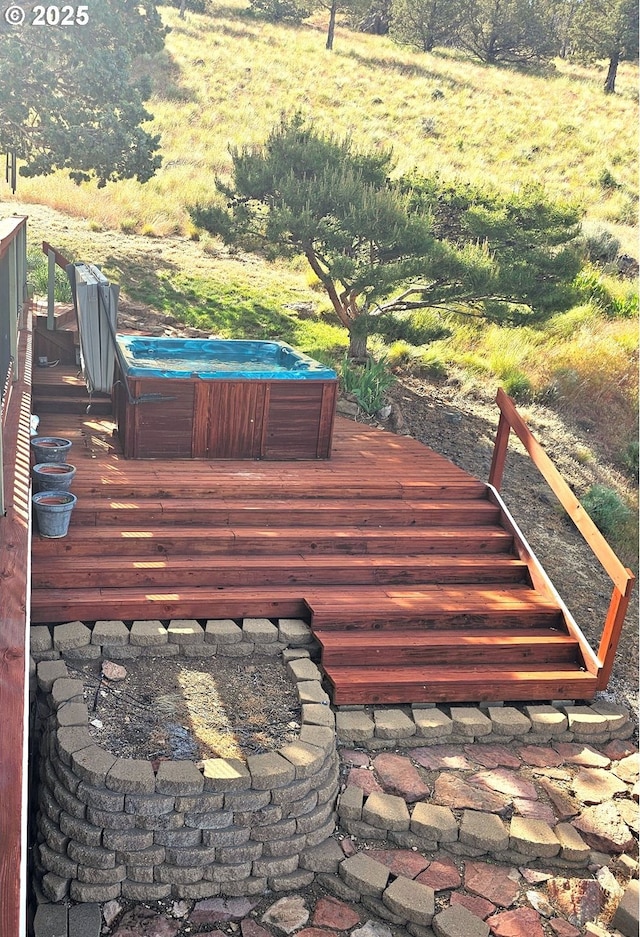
(218, 359)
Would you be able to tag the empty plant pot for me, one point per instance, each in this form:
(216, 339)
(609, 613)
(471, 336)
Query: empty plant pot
(53, 475)
(53, 512)
(50, 448)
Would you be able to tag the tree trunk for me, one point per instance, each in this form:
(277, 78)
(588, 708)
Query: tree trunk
(183, 4)
(332, 24)
(610, 80)
(357, 346)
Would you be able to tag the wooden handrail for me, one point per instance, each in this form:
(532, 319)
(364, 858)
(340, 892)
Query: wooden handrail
(622, 577)
(9, 228)
(60, 259)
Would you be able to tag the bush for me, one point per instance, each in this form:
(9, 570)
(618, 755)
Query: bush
(606, 180)
(431, 365)
(279, 11)
(399, 354)
(600, 245)
(629, 459)
(367, 384)
(518, 386)
(128, 225)
(606, 509)
(608, 297)
(194, 6)
(38, 277)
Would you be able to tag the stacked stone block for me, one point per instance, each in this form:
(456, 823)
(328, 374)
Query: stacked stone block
(114, 640)
(114, 827)
(428, 827)
(410, 726)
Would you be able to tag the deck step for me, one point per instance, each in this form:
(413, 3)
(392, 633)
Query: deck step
(70, 385)
(248, 480)
(447, 648)
(131, 604)
(382, 685)
(141, 539)
(287, 569)
(64, 315)
(78, 403)
(281, 512)
(376, 608)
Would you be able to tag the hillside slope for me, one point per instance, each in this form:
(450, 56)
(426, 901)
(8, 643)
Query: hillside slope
(225, 78)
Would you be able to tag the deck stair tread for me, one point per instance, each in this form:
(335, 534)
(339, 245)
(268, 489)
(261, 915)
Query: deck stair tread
(168, 539)
(206, 483)
(283, 569)
(286, 512)
(404, 646)
(75, 404)
(455, 684)
(132, 603)
(375, 608)
(73, 386)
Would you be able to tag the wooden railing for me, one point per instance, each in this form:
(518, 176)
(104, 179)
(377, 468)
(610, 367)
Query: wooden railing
(55, 259)
(622, 578)
(13, 293)
(15, 414)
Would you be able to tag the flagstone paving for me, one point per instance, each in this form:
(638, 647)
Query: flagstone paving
(468, 839)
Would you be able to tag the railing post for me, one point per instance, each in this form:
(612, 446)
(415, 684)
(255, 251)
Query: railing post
(22, 268)
(499, 452)
(12, 260)
(612, 630)
(51, 285)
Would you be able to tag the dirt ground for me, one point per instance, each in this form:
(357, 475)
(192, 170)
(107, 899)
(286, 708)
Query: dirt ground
(192, 708)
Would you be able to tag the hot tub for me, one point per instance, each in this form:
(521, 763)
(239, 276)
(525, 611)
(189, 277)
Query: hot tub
(221, 399)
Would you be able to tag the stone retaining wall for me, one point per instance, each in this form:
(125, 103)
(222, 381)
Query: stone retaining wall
(377, 729)
(111, 826)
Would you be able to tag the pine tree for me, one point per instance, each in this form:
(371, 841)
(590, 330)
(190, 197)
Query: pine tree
(425, 24)
(366, 237)
(70, 97)
(606, 29)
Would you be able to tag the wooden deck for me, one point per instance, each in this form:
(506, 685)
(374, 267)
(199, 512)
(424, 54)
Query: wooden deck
(409, 570)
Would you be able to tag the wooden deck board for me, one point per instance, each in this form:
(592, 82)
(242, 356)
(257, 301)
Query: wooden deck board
(440, 684)
(283, 569)
(384, 539)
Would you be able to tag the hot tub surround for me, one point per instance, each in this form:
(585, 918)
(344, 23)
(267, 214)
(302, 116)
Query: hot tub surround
(111, 826)
(232, 400)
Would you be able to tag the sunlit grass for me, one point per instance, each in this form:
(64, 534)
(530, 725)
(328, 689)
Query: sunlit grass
(225, 78)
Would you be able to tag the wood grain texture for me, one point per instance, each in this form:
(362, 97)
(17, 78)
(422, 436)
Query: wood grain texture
(220, 419)
(457, 684)
(398, 558)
